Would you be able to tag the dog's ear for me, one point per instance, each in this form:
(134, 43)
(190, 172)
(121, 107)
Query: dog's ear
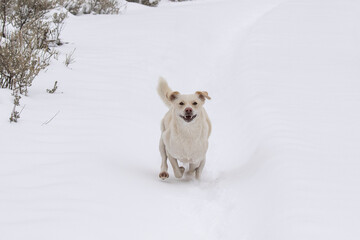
(172, 96)
(202, 95)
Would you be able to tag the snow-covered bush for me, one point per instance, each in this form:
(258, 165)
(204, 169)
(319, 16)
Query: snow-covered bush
(21, 59)
(77, 7)
(29, 28)
(73, 6)
(26, 12)
(29, 31)
(57, 25)
(151, 3)
(25, 39)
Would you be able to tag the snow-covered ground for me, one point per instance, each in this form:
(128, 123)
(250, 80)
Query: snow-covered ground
(284, 156)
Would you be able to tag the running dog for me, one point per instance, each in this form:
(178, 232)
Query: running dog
(185, 130)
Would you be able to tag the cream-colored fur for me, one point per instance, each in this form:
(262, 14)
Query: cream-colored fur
(184, 136)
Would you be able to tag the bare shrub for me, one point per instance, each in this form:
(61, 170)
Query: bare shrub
(73, 6)
(58, 22)
(4, 14)
(29, 11)
(150, 3)
(24, 44)
(53, 89)
(92, 6)
(28, 33)
(15, 115)
(69, 59)
(21, 61)
(104, 7)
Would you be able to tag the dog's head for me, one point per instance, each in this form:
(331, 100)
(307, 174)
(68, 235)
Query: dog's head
(188, 106)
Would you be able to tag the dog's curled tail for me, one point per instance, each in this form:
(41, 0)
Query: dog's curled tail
(164, 90)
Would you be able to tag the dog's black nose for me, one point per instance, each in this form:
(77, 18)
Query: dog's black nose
(188, 110)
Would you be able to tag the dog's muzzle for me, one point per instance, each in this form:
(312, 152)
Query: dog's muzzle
(188, 117)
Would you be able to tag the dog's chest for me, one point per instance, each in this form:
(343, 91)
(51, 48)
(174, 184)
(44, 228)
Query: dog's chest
(188, 146)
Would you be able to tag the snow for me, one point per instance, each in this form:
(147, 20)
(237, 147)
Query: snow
(283, 161)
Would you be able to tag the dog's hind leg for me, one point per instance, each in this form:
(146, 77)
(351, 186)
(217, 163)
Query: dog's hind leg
(178, 171)
(164, 166)
(199, 170)
(192, 168)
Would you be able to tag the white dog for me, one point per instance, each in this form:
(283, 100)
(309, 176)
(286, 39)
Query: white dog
(185, 130)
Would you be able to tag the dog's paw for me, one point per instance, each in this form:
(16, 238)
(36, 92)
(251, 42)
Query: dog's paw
(182, 170)
(163, 175)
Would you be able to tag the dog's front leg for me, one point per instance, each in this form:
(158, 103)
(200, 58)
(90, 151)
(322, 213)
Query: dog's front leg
(178, 171)
(164, 166)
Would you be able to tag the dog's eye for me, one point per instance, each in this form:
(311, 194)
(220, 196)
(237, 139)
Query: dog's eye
(194, 103)
(181, 103)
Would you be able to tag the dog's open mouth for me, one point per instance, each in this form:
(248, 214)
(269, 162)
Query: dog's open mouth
(188, 118)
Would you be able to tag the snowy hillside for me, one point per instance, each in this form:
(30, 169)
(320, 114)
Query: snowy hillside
(284, 155)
